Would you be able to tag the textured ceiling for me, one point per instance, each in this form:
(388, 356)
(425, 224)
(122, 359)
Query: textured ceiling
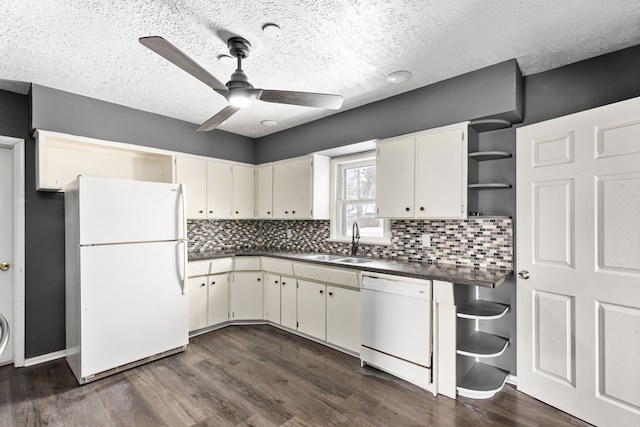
(344, 47)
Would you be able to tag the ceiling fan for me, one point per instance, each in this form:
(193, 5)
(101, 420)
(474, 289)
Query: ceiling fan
(238, 91)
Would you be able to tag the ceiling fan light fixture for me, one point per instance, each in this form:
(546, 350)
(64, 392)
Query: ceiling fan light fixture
(240, 98)
(271, 29)
(398, 77)
(269, 123)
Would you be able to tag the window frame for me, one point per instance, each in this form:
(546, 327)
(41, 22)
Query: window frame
(337, 165)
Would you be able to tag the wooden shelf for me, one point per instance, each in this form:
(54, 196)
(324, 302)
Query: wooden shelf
(482, 344)
(489, 186)
(481, 156)
(483, 310)
(482, 382)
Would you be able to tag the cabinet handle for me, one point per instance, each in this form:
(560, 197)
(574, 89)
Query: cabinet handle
(422, 208)
(286, 212)
(276, 282)
(213, 283)
(237, 212)
(283, 283)
(268, 212)
(330, 294)
(407, 209)
(203, 211)
(258, 279)
(203, 284)
(321, 291)
(209, 212)
(293, 212)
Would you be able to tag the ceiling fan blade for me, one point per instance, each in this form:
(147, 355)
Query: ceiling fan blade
(214, 121)
(307, 99)
(179, 58)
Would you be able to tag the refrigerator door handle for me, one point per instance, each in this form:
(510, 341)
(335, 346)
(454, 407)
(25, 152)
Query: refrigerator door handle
(182, 215)
(185, 260)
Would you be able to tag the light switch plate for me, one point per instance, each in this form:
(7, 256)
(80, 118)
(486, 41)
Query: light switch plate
(426, 240)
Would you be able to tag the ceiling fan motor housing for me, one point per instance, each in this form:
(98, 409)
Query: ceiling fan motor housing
(239, 47)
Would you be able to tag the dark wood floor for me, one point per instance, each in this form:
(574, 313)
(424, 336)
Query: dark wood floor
(251, 376)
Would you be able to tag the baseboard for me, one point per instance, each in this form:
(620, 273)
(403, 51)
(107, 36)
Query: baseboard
(512, 379)
(44, 358)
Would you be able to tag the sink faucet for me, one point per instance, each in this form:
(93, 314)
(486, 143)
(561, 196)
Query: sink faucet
(355, 238)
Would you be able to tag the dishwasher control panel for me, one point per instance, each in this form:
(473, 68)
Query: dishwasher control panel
(396, 287)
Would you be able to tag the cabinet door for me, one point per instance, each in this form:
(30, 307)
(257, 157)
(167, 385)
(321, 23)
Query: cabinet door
(282, 191)
(271, 308)
(219, 189)
(312, 309)
(197, 293)
(243, 191)
(218, 298)
(264, 192)
(343, 318)
(300, 174)
(246, 295)
(395, 166)
(288, 302)
(441, 174)
(193, 174)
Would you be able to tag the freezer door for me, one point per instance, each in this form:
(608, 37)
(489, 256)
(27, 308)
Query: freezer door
(118, 211)
(131, 303)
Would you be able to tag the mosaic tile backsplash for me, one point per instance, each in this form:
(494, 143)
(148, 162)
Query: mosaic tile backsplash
(482, 242)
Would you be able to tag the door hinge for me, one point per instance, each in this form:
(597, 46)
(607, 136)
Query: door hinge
(378, 151)
(462, 139)
(297, 324)
(461, 209)
(311, 212)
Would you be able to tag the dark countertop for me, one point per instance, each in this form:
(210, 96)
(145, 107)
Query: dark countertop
(458, 274)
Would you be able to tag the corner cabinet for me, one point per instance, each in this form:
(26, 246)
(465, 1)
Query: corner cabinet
(216, 189)
(301, 188)
(423, 175)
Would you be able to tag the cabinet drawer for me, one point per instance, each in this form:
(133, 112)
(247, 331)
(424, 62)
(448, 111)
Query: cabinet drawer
(247, 263)
(198, 268)
(277, 266)
(221, 265)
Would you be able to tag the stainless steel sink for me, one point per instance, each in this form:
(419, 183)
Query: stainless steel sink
(324, 257)
(353, 260)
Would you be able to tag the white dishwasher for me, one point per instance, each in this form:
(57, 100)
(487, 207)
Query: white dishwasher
(396, 326)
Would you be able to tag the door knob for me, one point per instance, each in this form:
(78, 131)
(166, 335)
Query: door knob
(523, 274)
(4, 266)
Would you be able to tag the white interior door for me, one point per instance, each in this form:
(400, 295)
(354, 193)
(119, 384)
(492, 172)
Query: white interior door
(578, 237)
(6, 245)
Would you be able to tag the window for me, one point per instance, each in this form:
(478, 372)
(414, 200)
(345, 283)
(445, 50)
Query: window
(354, 199)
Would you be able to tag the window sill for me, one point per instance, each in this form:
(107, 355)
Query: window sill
(362, 242)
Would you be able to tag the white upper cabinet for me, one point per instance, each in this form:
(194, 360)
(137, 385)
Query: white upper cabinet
(243, 192)
(441, 174)
(264, 192)
(301, 188)
(219, 189)
(394, 178)
(216, 189)
(192, 172)
(423, 175)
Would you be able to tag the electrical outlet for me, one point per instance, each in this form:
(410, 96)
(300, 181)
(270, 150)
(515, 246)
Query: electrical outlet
(288, 233)
(426, 240)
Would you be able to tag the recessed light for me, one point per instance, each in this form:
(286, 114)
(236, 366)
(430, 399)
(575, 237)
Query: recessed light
(269, 123)
(398, 77)
(271, 29)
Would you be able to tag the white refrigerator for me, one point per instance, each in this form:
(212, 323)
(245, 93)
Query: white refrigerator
(126, 261)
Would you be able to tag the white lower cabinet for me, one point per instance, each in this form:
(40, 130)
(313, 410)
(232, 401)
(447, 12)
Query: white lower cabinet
(218, 298)
(343, 318)
(312, 312)
(288, 302)
(271, 298)
(197, 293)
(246, 295)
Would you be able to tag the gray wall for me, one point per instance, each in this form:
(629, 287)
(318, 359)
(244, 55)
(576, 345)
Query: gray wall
(493, 91)
(576, 87)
